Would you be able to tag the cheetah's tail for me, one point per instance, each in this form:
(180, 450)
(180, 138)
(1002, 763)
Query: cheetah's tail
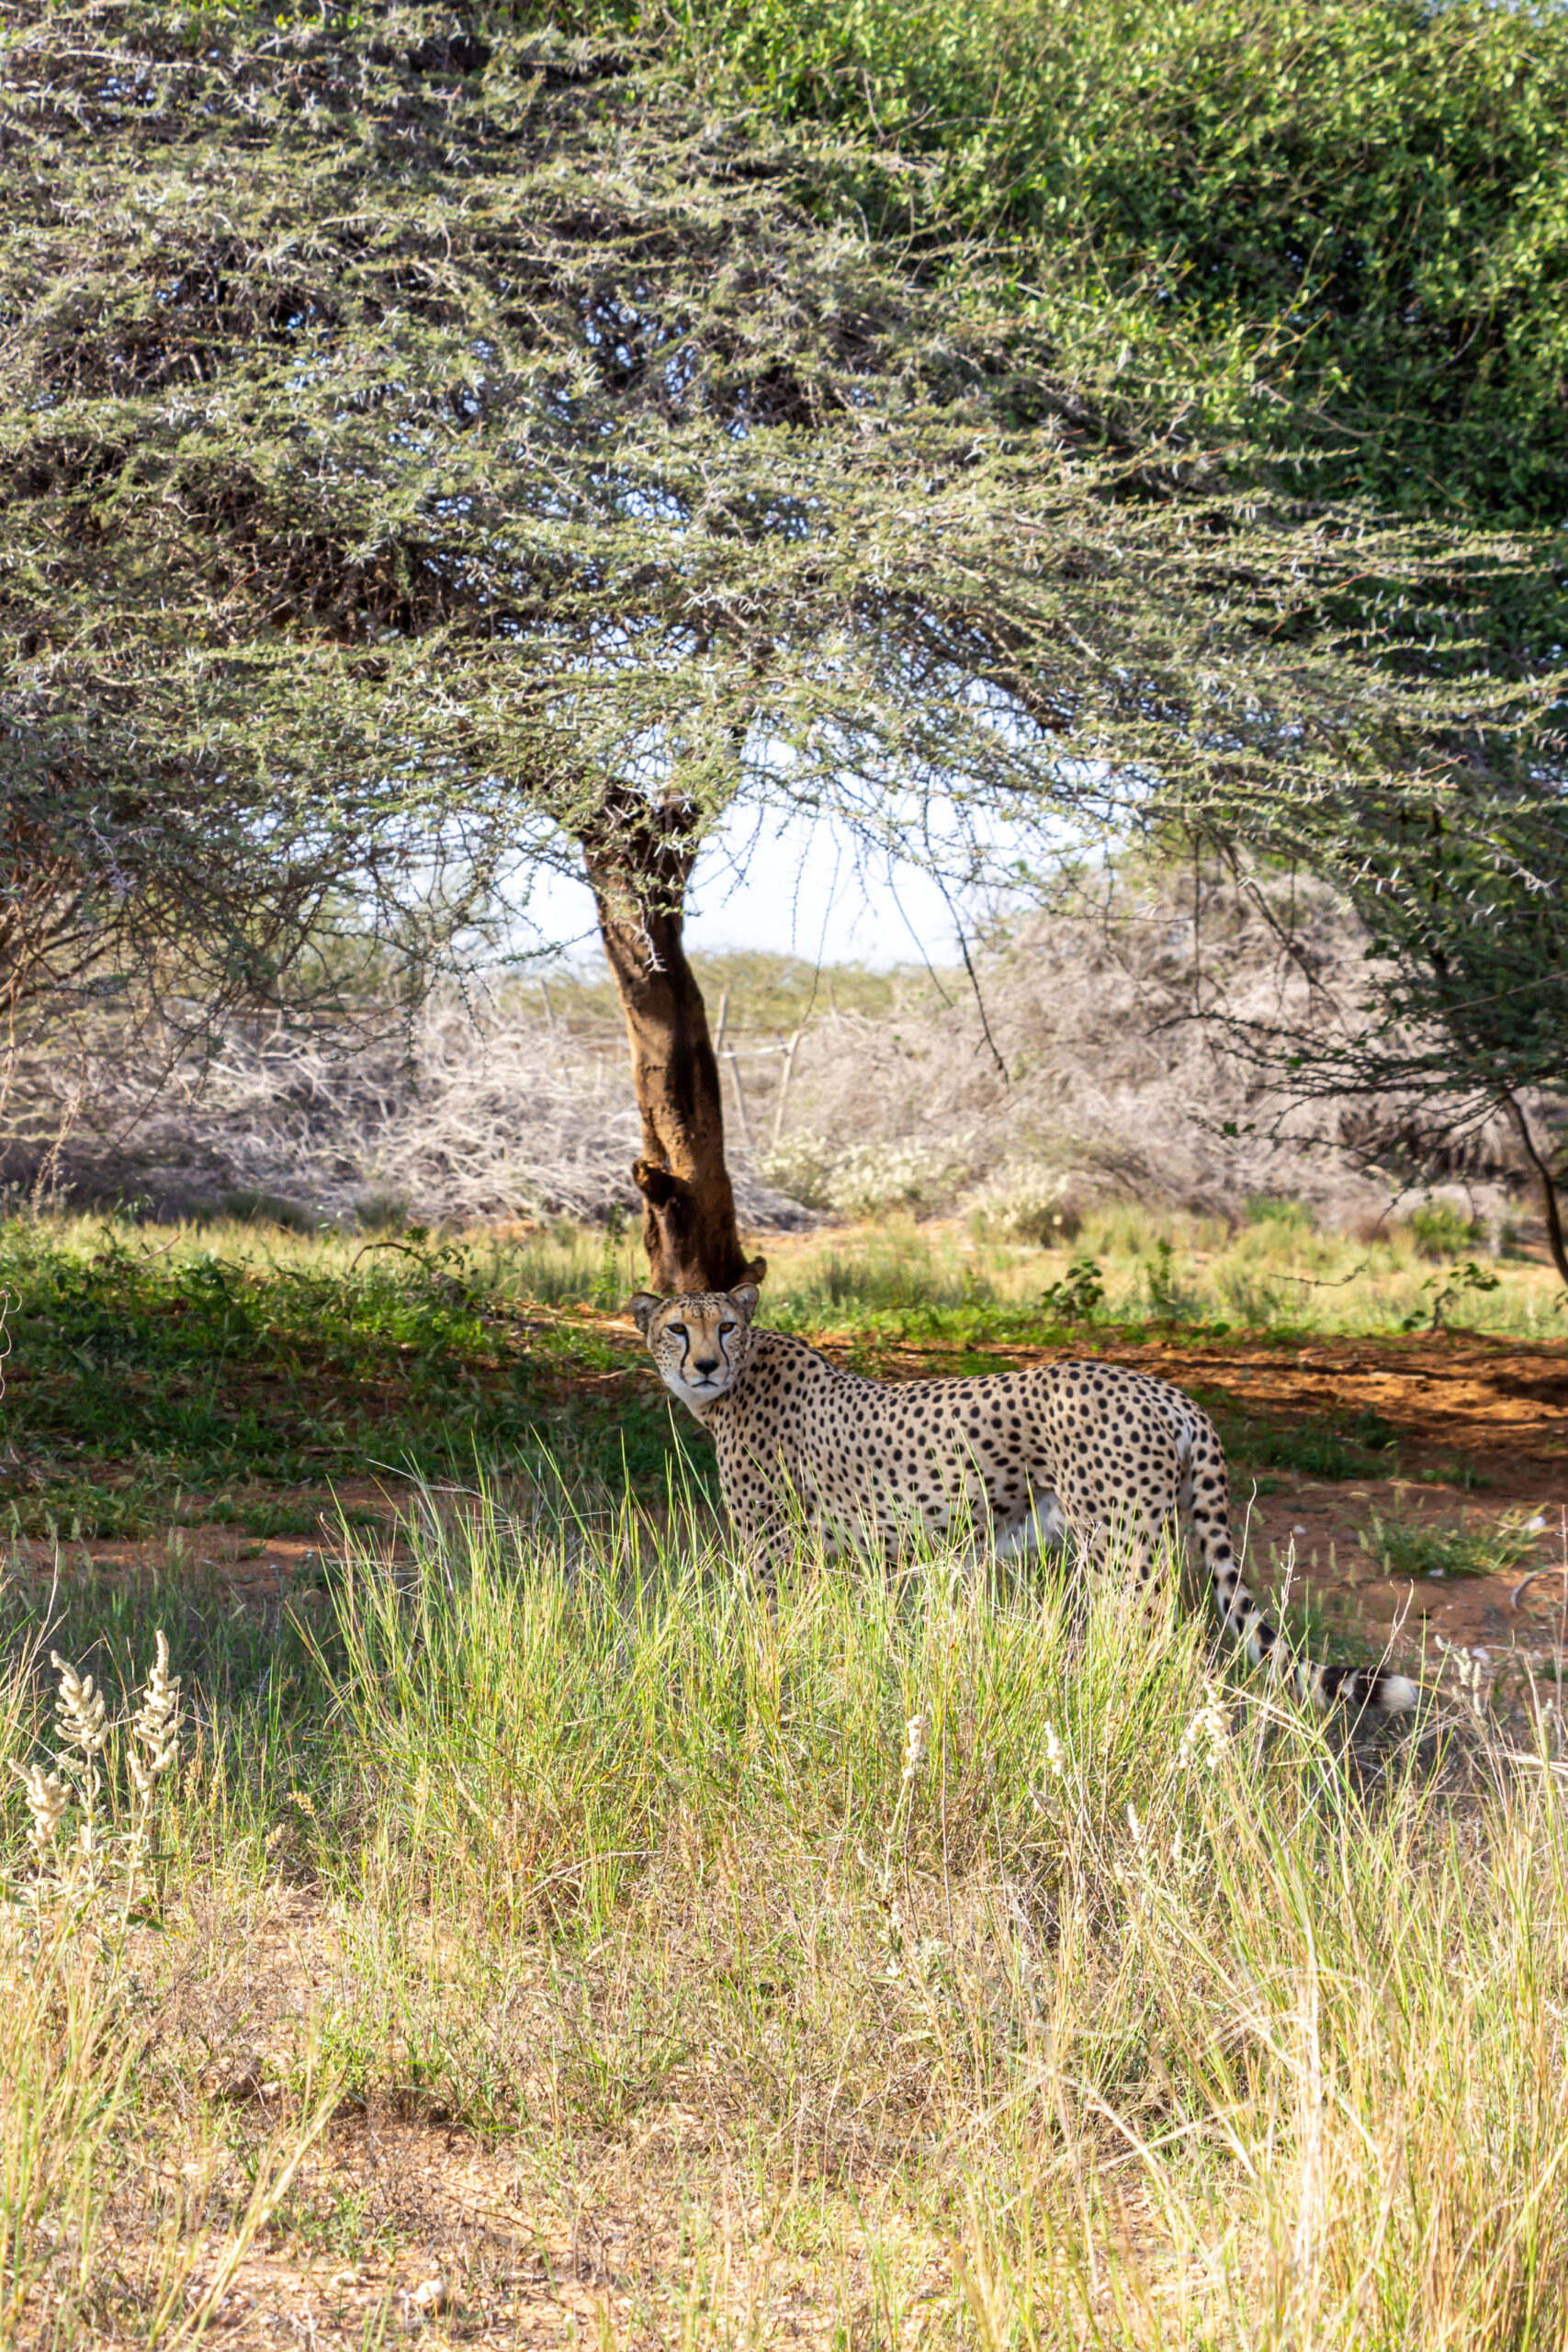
(1326, 1686)
(1394, 1695)
(1320, 1686)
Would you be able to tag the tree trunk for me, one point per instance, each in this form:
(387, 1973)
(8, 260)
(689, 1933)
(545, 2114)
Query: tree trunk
(638, 861)
(1556, 1241)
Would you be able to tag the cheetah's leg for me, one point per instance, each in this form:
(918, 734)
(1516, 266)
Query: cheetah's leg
(1122, 1536)
(1045, 1523)
(1204, 1500)
(768, 1519)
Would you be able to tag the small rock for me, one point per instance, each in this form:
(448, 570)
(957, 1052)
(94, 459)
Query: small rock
(430, 2295)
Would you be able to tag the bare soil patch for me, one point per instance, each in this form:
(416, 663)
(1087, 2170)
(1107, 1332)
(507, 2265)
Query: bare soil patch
(1481, 1430)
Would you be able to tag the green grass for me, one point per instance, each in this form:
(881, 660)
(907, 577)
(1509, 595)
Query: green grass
(235, 1375)
(765, 993)
(1276, 1276)
(1118, 2002)
(1416, 1548)
(1088, 2011)
(146, 1382)
(1331, 1445)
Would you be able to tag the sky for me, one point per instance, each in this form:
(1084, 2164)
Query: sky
(790, 890)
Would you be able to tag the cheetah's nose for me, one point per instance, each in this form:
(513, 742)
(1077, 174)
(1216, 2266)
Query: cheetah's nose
(706, 1363)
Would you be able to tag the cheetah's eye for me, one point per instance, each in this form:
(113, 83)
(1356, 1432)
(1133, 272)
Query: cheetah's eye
(676, 1330)
(725, 1329)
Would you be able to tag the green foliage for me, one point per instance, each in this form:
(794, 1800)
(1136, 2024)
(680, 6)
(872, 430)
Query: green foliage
(1269, 1210)
(764, 991)
(1079, 1295)
(897, 1274)
(135, 1374)
(1168, 1301)
(1327, 1445)
(150, 1387)
(1441, 1294)
(671, 486)
(609, 1283)
(105, 1623)
(1441, 1231)
(1338, 232)
(267, 1208)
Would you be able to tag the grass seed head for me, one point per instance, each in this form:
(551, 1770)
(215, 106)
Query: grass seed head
(46, 1804)
(1206, 1740)
(157, 1724)
(84, 1718)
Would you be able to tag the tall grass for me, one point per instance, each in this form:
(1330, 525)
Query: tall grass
(1171, 2013)
(125, 2213)
(938, 1958)
(1268, 1273)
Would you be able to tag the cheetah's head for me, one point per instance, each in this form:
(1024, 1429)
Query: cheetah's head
(700, 1340)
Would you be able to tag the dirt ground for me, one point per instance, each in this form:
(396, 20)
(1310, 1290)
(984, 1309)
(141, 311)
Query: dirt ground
(1483, 1436)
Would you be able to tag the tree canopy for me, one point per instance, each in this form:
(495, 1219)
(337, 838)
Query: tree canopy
(1338, 230)
(425, 425)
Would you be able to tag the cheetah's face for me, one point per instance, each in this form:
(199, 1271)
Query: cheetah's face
(700, 1340)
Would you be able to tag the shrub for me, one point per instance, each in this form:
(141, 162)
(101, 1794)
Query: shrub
(1284, 1211)
(1441, 1229)
(871, 1180)
(383, 1212)
(801, 1166)
(1026, 1202)
(267, 1208)
(1078, 1296)
(876, 1178)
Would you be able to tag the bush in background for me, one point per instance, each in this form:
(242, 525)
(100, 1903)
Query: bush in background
(1443, 1229)
(1027, 1201)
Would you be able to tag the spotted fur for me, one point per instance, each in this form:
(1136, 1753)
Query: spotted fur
(1091, 1450)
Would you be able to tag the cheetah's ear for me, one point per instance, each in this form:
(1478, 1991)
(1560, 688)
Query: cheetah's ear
(745, 1296)
(643, 1308)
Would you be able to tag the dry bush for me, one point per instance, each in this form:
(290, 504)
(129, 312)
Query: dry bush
(1089, 1067)
(473, 1109)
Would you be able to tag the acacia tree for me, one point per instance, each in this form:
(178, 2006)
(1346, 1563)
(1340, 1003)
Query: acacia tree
(210, 889)
(442, 440)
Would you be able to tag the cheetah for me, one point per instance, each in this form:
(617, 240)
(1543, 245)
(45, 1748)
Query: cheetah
(1019, 1459)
